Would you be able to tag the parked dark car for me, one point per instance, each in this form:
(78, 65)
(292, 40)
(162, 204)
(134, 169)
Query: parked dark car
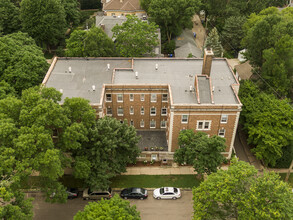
(96, 194)
(134, 193)
(72, 193)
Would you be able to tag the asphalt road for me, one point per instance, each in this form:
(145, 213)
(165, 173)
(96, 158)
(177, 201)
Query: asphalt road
(150, 209)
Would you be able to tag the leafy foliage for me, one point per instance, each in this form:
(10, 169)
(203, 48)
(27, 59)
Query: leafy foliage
(199, 150)
(115, 208)
(268, 122)
(22, 63)
(72, 12)
(135, 37)
(213, 41)
(9, 17)
(43, 20)
(92, 43)
(112, 145)
(173, 15)
(240, 193)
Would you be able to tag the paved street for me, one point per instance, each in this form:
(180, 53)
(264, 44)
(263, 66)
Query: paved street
(150, 209)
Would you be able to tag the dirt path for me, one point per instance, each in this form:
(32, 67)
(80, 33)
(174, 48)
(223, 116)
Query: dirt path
(199, 30)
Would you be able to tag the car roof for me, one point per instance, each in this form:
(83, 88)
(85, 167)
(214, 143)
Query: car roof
(135, 190)
(168, 189)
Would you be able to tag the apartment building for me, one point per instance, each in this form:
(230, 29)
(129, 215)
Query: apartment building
(163, 95)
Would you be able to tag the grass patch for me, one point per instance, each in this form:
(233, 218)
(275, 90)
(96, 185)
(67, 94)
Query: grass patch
(155, 181)
(283, 176)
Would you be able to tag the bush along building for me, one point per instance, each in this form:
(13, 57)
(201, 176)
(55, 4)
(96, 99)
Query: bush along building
(158, 96)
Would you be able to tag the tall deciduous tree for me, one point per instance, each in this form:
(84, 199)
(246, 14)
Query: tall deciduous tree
(213, 41)
(92, 43)
(22, 63)
(43, 20)
(112, 145)
(9, 17)
(115, 208)
(199, 150)
(72, 12)
(239, 193)
(135, 37)
(173, 15)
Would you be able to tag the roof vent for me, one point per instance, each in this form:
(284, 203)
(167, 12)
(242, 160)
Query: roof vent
(157, 66)
(136, 75)
(108, 66)
(94, 87)
(213, 89)
(69, 69)
(61, 90)
(190, 89)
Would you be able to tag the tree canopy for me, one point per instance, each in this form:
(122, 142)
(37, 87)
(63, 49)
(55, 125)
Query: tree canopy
(268, 122)
(172, 16)
(43, 20)
(72, 12)
(9, 17)
(134, 37)
(213, 41)
(22, 63)
(115, 208)
(92, 43)
(199, 150)
(239, 193)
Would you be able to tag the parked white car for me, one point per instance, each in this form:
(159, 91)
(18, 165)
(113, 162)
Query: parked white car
(167, 193)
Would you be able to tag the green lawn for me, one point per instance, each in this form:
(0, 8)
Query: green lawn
(154, 181)
(283, 176)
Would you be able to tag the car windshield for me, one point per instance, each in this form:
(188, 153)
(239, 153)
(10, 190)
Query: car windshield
(175, 190)
(161, 190)
(143, 191)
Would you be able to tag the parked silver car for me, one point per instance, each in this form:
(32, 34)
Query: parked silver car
(167, 193)
(96, 194)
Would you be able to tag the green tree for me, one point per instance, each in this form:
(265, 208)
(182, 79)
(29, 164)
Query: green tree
(145, 4)
(22, 63)
(173, 15)
(72, 12)
(43, 20)
(267, 121)
(6, 90)
(9, 17)
(134, 38)
(239, 193)
(111, 146)
(213, 41)
(92, 43)
(115, 208)
(199, 150)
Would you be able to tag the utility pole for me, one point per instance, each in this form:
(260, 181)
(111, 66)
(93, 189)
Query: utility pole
(289, 171)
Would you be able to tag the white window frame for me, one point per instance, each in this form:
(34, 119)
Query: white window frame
(222, 132)
(153, 97)
(142, 110)
(121, 96)
(203, 125)
(131, 97)
(163, 124)
(141, 123)
(142, 97)
(131, 110)
(224, 119)
(109, 108)
(162, 111)
(108, 96)
(183, 120)
(163, 99)
(153, 111)
(118, 111)
(153, 121)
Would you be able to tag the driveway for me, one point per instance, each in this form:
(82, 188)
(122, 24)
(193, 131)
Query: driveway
(150, 209)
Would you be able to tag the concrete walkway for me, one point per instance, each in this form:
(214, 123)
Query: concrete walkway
(199, 30)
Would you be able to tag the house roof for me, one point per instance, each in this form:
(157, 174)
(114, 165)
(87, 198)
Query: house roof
(187, 49)
(109, 22)
(122, 5)
(178, 73)
(244, 70)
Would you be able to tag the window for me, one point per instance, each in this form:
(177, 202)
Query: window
(131, 97)
(222, 132)
(142, 111)
(184, 119)
(121, 121)
(131, 122)
(113, 14)
(153, 111)
(120, 111)
(224, 119)
(163, 124)
(153, 97)
(108, 98)
(119, 97)
(203, 125)
(131, 110)
(109, 111)
(164, 97)
(142, 123)
(152, 124)
(142, 97)
(164, 111)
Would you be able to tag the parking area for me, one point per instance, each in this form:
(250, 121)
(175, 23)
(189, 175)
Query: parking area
(150, 209)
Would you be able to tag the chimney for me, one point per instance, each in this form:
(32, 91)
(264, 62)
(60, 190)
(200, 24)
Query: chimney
(207, 61)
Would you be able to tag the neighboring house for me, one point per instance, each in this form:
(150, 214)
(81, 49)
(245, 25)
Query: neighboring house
(156, 95)
(123, 8)
(108, 22)
(243, 71)
(185, 45)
